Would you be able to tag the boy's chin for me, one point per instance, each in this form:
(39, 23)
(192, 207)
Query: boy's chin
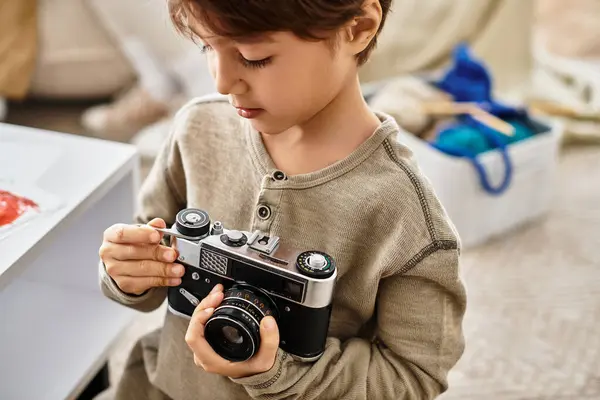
(268, 127)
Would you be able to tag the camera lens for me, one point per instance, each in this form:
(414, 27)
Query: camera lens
(232, 335)
(233, 331)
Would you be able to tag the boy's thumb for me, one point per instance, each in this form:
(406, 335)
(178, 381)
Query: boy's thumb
(158, 223)
(269, 334)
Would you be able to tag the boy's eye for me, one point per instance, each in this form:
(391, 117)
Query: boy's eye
(255, 63)
(247, 63)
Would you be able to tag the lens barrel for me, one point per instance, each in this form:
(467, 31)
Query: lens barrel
(233, 331)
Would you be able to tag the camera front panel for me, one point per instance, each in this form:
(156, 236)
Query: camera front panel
(299, 285)
(195, 285)
(303, 330)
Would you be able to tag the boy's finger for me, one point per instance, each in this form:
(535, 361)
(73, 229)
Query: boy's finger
(126, 252)
(269, 344)
(146, 268)
(131, 234)
(158, 223)
(211, 301)
(197, 322)
(136, 285)
(217, 288)
(204, 355)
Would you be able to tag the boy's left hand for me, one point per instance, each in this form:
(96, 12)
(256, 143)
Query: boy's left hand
(205, 356)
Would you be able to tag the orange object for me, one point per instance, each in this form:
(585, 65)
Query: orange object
(18, 46)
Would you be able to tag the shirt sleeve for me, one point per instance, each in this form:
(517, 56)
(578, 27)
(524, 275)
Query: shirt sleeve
(418, 339)
(146, 302)
(162, 195)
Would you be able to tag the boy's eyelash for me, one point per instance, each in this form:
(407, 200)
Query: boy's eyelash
(255, 63)
(247, 63)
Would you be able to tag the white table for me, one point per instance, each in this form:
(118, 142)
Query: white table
(56, 328)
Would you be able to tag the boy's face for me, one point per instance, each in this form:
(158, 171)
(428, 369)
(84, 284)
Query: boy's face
(278, 80)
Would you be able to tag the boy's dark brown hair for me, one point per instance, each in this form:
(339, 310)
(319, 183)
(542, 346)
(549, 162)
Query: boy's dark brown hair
(307, 19)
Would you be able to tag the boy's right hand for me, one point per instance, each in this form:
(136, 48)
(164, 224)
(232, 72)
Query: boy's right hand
(135, 259)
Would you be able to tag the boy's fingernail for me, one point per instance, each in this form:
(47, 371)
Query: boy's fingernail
(209, 310)
(169, 255)
(177, 270)
(269, 323)
(215, 289)
(175, 282)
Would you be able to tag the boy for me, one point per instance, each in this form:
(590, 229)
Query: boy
(296, 153)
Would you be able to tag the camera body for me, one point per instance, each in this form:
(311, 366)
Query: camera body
(261, 277)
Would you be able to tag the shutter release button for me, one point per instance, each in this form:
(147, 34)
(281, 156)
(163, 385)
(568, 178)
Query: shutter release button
(317, 261)
(234, 238)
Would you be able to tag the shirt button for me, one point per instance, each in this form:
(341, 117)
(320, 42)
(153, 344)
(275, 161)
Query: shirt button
(263, 212)
(279, 175)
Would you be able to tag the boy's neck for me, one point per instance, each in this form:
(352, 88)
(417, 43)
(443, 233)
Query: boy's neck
(330, 136)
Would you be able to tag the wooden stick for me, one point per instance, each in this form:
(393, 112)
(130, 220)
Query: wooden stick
(449, 108)
(493, 122)
(446, 107)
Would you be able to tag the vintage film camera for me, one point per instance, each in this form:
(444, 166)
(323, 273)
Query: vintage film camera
(261, 277)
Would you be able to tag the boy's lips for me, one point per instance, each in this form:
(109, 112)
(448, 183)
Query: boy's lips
(249, 113)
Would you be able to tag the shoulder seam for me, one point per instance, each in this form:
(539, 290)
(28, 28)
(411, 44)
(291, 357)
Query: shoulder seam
(427, 251)
(418, 188)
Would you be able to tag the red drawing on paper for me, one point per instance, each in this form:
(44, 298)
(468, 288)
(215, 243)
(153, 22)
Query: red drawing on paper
(13, 206)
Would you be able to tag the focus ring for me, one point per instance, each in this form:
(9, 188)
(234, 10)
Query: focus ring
(248, 299)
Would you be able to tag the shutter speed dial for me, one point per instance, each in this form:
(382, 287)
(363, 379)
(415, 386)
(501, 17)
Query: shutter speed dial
(315, 264)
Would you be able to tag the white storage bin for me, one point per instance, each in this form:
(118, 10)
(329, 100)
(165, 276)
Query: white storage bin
(478, 215)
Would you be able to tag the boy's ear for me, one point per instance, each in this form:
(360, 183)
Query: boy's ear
(361, 30)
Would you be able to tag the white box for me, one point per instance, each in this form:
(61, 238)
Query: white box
(478, 215)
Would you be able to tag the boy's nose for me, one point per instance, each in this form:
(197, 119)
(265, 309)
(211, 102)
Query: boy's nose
(227, 81)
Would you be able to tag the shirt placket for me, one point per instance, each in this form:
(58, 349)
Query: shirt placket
(268, 202)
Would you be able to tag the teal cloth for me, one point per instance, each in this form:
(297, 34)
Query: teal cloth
(468, 138)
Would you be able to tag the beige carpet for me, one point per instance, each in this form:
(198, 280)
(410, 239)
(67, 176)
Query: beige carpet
(532, 326)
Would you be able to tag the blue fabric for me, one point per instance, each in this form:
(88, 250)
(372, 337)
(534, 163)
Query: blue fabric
(467, 80)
